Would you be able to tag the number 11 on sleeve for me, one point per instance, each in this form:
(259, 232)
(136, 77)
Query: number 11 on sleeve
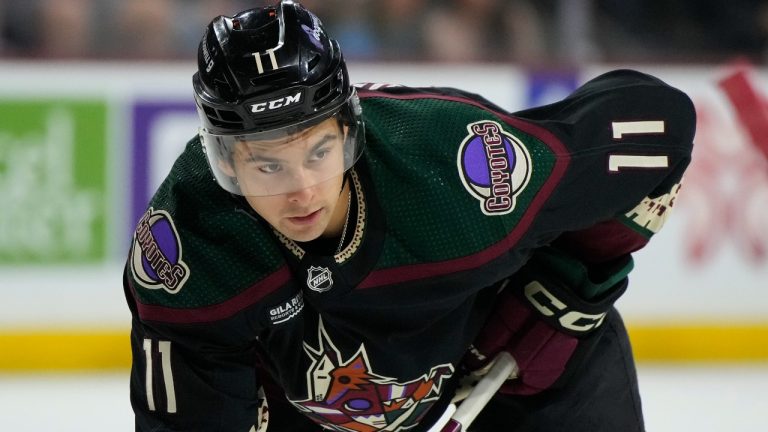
(618, 161)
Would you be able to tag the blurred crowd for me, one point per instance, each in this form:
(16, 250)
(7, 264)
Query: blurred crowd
(529, 32)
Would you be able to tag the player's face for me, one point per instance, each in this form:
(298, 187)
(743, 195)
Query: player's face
(310, 165)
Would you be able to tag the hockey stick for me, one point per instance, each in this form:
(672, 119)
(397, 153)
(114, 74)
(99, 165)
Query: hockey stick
(458, 419)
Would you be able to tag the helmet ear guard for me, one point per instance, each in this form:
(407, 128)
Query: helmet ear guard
(270, 72)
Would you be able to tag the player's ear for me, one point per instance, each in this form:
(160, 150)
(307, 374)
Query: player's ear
(349, 146)
(226, 167)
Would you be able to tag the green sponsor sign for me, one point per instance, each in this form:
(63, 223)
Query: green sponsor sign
(53, 181)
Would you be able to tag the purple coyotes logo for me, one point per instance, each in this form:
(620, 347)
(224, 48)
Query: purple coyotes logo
(494, 166)
(156, 253)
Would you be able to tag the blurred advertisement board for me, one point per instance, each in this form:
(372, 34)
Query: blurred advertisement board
(53, 181)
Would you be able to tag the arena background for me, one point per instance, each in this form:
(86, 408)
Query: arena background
(80, 161)
(90, 124)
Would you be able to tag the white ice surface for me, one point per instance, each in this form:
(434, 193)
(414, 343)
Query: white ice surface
(676, 398)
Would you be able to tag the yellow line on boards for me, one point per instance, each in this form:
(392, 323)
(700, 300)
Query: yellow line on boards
(83, 350)
(68, 350)
(701, 342)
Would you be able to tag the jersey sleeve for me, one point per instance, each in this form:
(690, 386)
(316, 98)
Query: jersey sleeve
(628, 137)
(183, 378)
(197, 308)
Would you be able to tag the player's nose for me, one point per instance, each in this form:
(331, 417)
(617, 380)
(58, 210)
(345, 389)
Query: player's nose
(302, 186)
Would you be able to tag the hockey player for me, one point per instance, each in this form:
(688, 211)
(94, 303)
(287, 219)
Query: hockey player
(330, 257)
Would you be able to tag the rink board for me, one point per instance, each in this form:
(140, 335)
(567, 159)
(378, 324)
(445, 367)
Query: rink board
(697, 293)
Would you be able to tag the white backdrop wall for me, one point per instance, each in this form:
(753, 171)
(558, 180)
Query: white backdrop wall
(709, 264)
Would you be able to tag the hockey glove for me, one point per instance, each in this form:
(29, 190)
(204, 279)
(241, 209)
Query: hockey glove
(546, 315)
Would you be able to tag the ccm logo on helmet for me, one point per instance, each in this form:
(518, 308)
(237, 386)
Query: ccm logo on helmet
(276, 103)
(550, 306)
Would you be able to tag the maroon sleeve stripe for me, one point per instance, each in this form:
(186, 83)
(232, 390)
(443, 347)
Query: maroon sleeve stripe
(218, 311)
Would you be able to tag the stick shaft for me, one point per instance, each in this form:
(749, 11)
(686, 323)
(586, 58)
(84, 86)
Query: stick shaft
(504, 366)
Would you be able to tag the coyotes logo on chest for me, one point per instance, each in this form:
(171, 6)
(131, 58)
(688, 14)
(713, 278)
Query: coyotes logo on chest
(347, 395)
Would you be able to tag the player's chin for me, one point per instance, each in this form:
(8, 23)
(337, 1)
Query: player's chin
(302, 233)
(304, 238)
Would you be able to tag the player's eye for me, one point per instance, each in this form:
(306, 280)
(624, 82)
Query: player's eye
(270, 168)
(319, 154)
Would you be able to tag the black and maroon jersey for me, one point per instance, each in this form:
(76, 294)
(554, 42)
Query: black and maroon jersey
(451, 197)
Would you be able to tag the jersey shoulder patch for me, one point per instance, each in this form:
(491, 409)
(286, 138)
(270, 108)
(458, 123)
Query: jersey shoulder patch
(156, 259)
(494, 166)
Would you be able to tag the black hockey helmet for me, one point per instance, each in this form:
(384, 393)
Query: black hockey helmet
(265, 76)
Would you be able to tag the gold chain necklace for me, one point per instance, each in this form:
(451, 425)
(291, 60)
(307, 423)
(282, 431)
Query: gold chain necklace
(346, 221)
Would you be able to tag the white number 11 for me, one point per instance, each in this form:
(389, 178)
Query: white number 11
(618, 161)
(164, 347)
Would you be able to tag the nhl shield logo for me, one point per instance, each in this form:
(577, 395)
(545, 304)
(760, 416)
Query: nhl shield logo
(319, 279)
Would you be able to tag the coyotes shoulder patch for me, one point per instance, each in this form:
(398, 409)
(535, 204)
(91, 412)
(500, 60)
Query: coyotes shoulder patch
(156, 256)
(494, 166)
